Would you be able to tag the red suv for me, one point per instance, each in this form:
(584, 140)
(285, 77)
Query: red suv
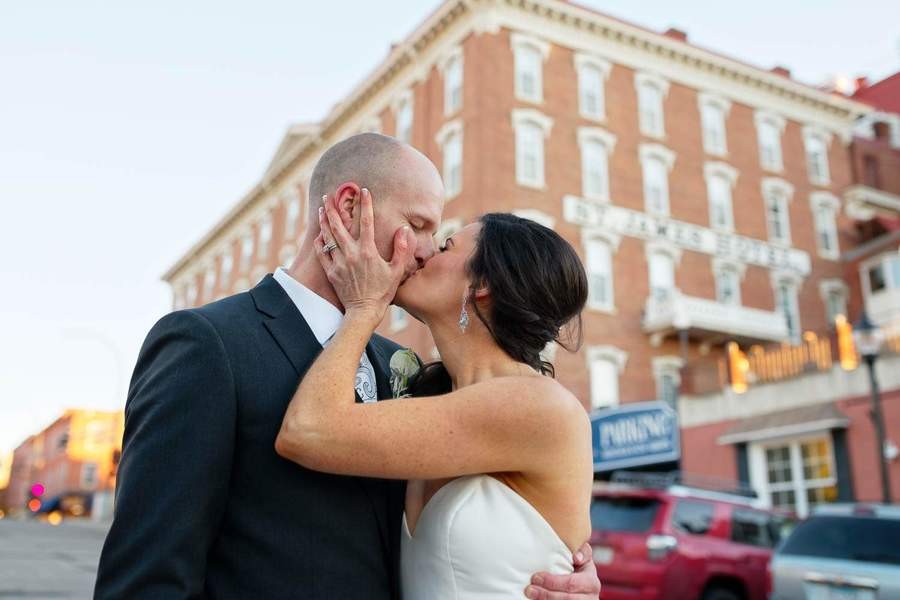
(674, 542)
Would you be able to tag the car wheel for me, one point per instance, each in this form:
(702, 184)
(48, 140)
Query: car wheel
(718, 593)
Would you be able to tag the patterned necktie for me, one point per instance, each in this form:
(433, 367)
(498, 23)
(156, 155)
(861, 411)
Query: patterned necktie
(364, 382)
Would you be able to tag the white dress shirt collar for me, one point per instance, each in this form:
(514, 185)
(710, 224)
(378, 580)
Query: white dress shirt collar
(322, 316)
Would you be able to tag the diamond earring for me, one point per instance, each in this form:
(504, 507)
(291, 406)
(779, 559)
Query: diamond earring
(464, 314)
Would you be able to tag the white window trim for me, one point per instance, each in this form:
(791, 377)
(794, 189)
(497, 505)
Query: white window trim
(533, 214)
(828, 201)
(759, 467)
(263, 242)
(445, 133)
(592, 235)
(729, 174)
(523, 116)
(519, 41)
(775, 185)
(888, 275)
(644, 79)
(827, 287)
(666, 365)
(650, 152)
(761, 117)
(583, 61)
(721, 265)
(616, 356)
(371, 125)
(403, 99)
(710, 99)
(794, 281)
(608, 141)
(817, 132)
(453, 55)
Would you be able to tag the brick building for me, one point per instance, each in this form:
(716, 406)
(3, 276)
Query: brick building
(76, 454)
(705, 195)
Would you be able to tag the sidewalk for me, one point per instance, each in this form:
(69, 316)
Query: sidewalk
(39, 561)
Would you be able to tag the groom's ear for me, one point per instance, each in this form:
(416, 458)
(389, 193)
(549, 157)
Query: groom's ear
(346, 202)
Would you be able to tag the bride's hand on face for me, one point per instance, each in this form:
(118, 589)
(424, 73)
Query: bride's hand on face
(364, 282)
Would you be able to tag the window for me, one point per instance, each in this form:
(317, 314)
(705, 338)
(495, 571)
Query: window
(88, 476)
(693, 516)
(209, 282)
(599, 271)
(656, 162)
(816, 141)
(768, 130)
(713, 112)
(399, 318)
(667, 373)
(786, 304)
(265, 237)
(529, 54)
(191, 294)
(531, 128)
(537, 216)
(450, 139)
(800, 474)
(847, 538)
(720, 179)
(246, 250)
(728, 286)
(403, 113)
(592, 75)
(605, 363)
(292, 216)
(754, 528)
(777, 193)
(661, 267)
(834, 294)
(651, 91)
(596, 146)
(452, 69)
(871, 174)
(883, 274)
(225, 269)
(612, 513)
(825, 207)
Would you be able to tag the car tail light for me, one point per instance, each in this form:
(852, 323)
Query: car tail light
(660, 546)
(769, 580)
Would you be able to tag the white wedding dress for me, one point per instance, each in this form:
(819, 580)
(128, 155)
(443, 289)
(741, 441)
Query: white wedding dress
(478, 539)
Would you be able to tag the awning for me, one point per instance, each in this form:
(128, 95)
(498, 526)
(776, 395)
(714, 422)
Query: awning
(796, 421)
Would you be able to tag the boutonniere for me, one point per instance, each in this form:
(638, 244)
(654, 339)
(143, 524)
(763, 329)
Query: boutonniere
(404, 366)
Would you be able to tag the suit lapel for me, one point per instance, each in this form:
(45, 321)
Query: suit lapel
(295, 338)
(381, 364)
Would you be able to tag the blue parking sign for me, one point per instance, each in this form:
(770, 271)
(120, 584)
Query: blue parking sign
(635, 434)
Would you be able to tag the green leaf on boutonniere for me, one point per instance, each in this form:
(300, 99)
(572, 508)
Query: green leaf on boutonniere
(404, 366)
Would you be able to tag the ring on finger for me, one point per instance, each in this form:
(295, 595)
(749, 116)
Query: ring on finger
(329, 248)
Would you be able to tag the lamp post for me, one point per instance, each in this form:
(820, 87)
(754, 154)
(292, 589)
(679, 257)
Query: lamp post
(868, 339)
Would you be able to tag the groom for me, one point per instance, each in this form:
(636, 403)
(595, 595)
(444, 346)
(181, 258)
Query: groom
(205, 508)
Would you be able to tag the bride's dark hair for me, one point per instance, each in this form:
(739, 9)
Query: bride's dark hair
(538, 288)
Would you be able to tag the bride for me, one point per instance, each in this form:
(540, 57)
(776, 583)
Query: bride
(498, 453)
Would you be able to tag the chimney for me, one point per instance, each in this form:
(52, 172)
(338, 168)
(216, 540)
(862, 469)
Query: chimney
(676, 34)
(783, 71)
(862, 83)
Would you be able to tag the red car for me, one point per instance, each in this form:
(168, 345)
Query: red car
(674, 542)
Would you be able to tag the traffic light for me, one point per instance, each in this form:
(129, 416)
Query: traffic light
(738, 365)
(846, 348)
(34, 497)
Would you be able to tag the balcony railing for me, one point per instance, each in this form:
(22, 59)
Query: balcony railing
(674, 311)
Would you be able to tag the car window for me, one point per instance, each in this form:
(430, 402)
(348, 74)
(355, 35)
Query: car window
(866, 539)
(623, 514)
(754, 528)
(693, 516)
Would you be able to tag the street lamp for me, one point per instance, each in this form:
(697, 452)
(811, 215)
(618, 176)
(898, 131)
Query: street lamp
(868, 339)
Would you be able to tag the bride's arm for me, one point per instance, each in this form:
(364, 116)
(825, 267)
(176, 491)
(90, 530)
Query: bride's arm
(505, 424)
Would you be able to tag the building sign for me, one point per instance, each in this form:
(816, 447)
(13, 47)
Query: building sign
(635, 434)
(625, 221)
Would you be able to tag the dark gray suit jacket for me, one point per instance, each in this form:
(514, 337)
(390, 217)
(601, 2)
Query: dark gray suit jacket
(205, 508)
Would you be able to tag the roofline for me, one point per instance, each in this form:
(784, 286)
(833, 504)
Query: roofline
(449, 11)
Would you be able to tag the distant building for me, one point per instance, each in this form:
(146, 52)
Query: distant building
(75, 455)
(707, 198)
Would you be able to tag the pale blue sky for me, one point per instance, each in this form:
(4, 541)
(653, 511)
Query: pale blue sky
(127, 129)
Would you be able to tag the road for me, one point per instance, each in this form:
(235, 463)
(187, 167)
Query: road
(39, 561)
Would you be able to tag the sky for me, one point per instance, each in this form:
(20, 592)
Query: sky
(128, 129)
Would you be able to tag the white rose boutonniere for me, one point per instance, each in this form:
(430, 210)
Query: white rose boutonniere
(404, 366)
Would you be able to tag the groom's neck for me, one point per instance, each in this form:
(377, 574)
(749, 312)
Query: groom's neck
(308, 272)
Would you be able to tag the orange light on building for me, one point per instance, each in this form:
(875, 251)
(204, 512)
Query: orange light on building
(34, 505)
(846, 347)
(738, 365)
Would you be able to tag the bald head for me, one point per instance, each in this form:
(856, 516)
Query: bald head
(383, 164)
